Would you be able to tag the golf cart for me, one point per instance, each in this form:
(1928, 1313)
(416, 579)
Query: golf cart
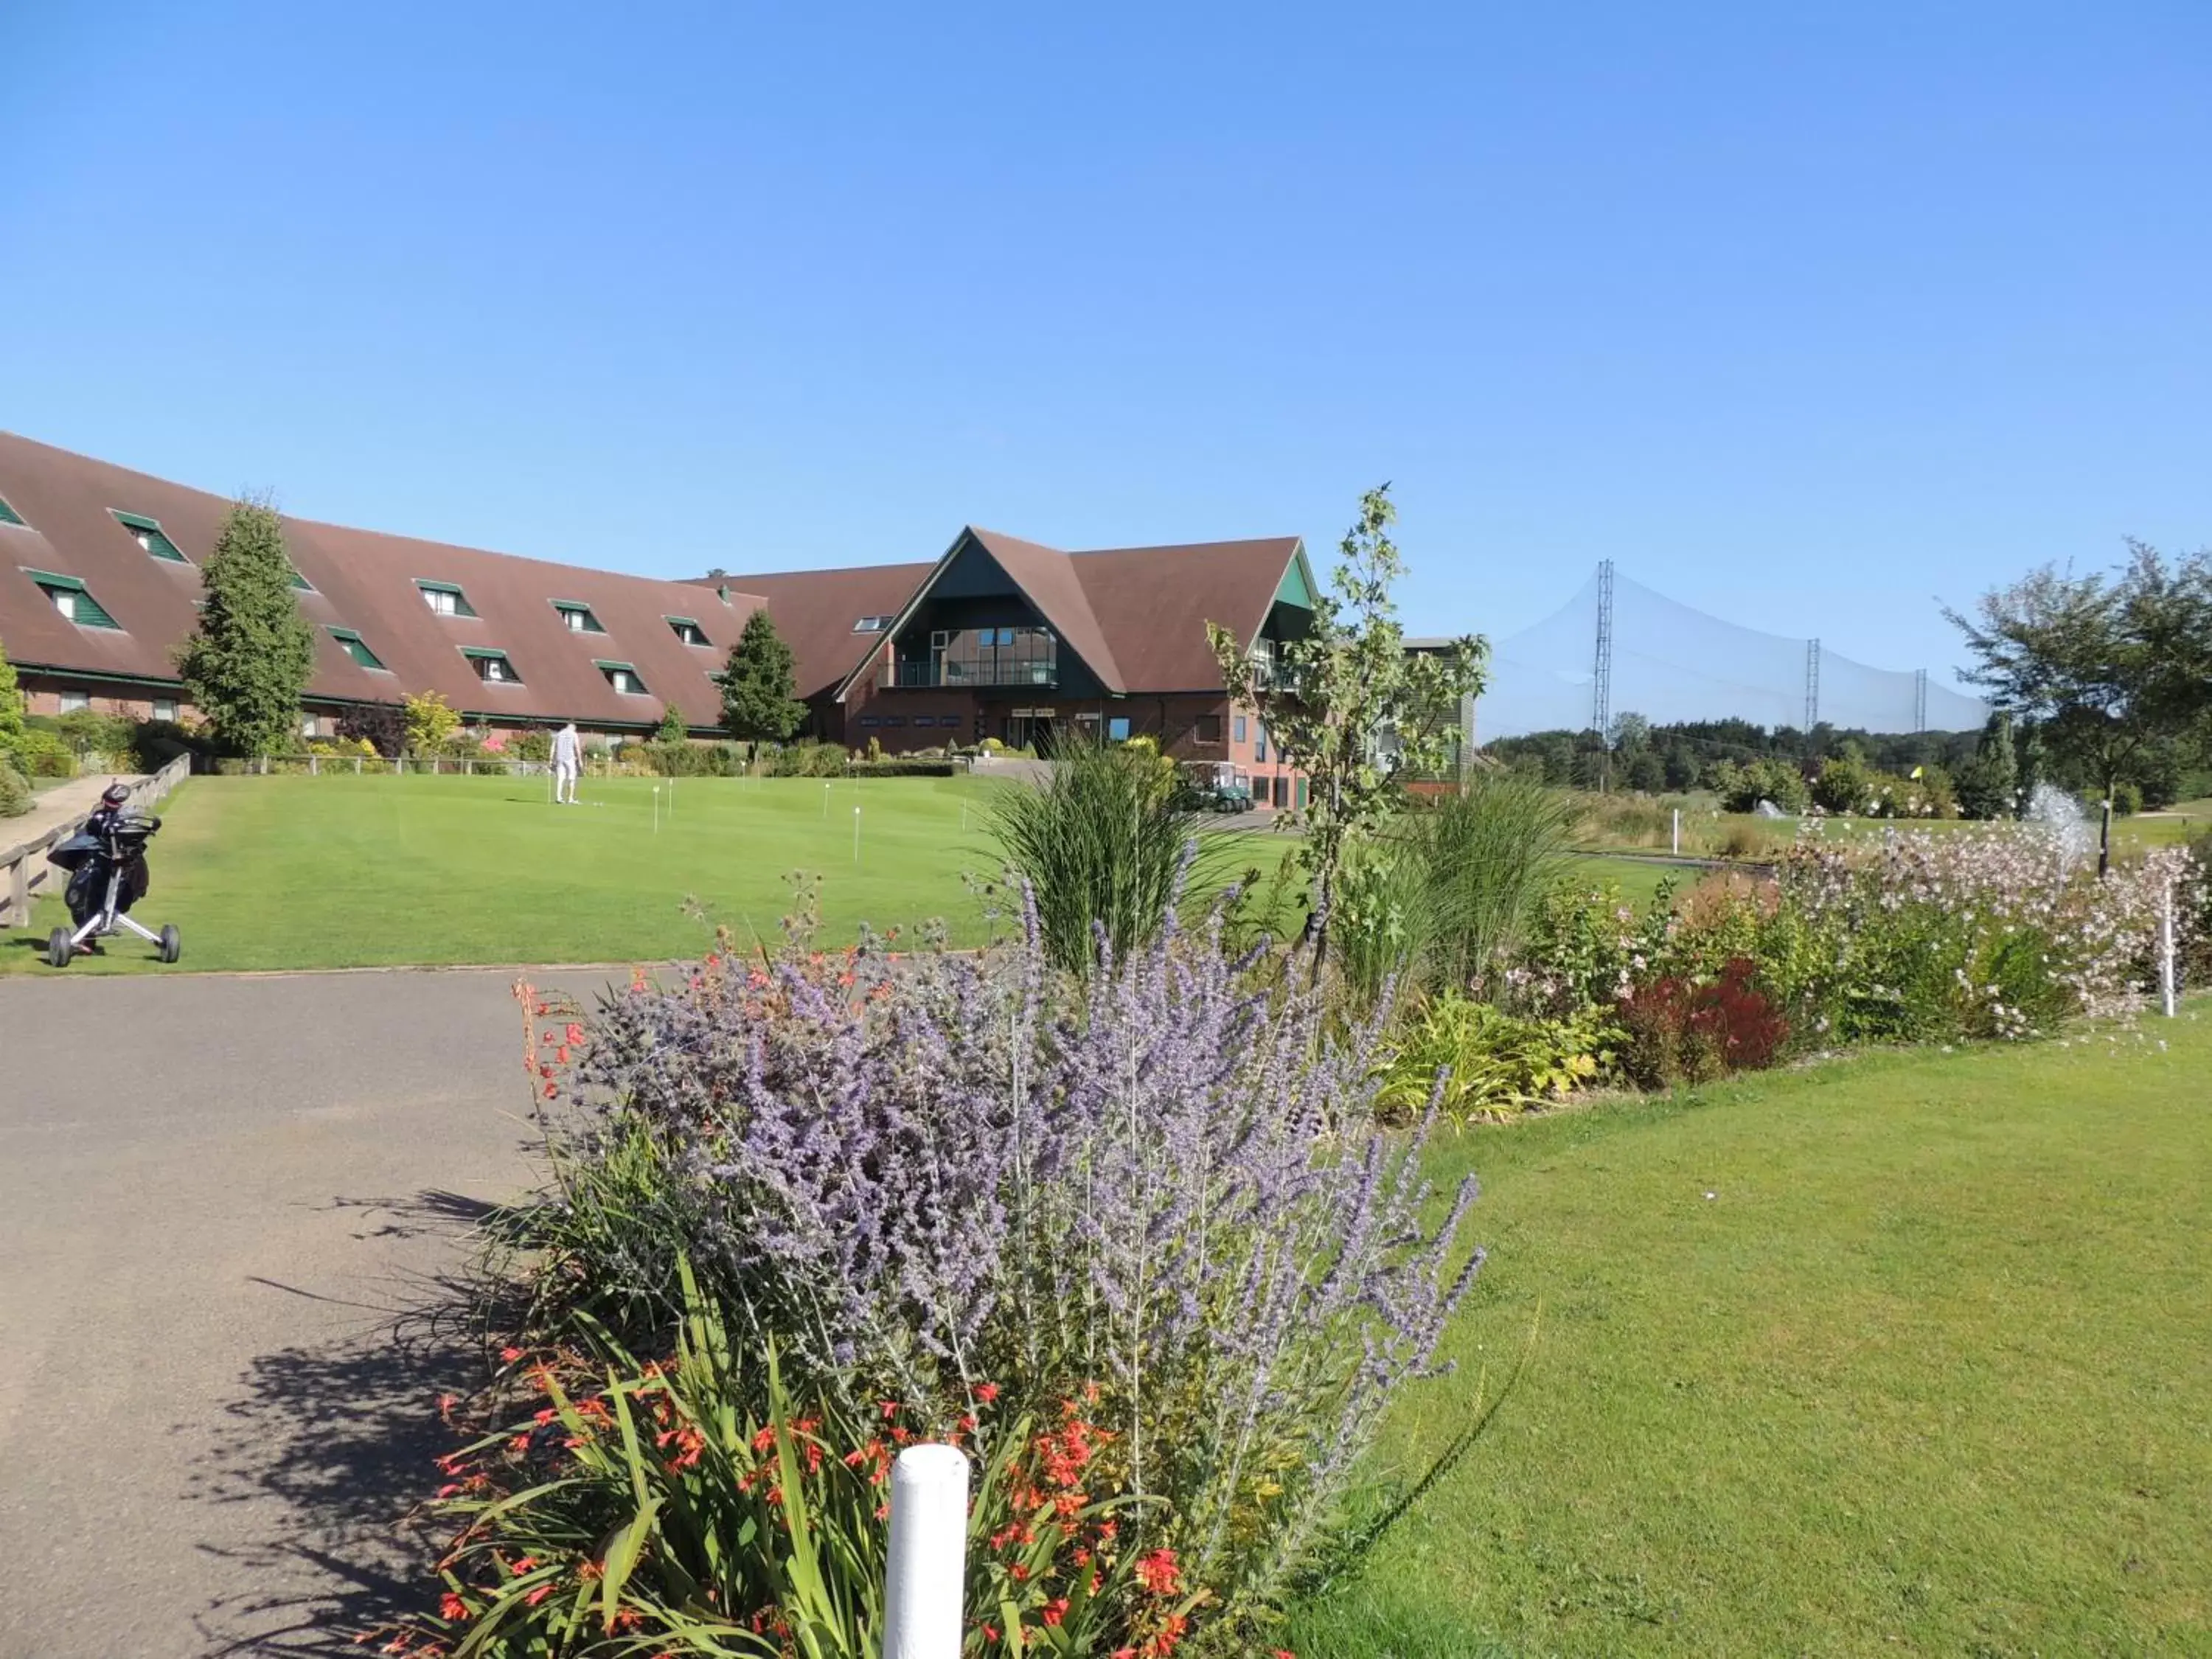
(1215, 787)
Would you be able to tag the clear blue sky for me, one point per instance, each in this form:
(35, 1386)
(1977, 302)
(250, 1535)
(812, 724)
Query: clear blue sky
(1805, 315)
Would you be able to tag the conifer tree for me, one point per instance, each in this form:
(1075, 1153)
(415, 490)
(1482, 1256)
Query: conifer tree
(248, 662)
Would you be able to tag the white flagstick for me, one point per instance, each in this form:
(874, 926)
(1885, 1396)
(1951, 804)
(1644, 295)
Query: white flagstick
(656, 809)
(856, 835)
(2168, 992)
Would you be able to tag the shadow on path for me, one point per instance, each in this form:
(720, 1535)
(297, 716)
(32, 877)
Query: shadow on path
(327, 1448)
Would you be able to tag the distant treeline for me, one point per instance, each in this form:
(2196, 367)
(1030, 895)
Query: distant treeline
(1718, 754)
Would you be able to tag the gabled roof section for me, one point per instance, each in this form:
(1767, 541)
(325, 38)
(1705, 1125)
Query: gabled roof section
(1049, 578)
(1154, 603)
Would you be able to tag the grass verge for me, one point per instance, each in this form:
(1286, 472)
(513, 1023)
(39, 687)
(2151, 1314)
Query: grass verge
(1905, 1353)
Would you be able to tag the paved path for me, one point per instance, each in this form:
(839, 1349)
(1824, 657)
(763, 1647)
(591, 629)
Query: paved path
(224, 1205)
(57, 806)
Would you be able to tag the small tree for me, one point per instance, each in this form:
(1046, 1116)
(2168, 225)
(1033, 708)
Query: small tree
(1335, 694)
(1989, 784)
(431, 722)
(758, 685)
(2105, 667)
(672, 729)
(247, 663)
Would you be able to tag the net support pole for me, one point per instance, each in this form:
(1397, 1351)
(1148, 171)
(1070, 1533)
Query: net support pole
(928, 1553)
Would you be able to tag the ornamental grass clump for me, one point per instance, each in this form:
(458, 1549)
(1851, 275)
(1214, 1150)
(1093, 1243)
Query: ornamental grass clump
(1158, 1191)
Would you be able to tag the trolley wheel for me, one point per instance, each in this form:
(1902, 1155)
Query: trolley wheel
(173, 944)
(59, 949)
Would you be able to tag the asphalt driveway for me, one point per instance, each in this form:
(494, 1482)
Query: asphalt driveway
(226, 1208)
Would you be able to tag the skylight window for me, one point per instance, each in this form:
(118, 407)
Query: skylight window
(73, 599)
(446, 599)
(149, 534)
(493, 667)
(623, 678)
(357, 649)
(576, 617)
(689, 631)
(871, 624)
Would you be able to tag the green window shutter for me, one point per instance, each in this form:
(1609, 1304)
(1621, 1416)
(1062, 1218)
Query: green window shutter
(356, 647)
(461, 606)
(83, 609)
(149, 534)
(9, 514)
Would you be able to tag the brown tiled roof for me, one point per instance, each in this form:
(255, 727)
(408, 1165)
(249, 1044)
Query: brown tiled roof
(815, 611)
(1047, 576)
(362, 579)
(1153, 604)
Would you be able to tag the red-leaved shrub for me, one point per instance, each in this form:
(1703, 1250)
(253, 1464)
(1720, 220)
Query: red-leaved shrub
(1686, 1031)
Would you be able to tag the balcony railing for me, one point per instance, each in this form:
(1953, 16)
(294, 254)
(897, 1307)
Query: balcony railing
(960, 675)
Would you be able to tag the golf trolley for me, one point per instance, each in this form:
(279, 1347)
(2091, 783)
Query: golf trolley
(107, 875)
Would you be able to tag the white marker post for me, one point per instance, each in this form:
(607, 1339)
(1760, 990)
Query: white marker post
(856, 835)
(928, 1553)
(2168, 991)
(1678, 832)
(825, 803)
(656, 809)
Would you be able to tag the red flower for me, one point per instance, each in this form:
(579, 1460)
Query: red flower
(575, 1032)
(1055, 1611)
(991, 1633)
(525, 1563)
(453, 1610)
(1018, 1573)
(1158, 1573)
(987, 1392)
(510, 1355)
(538, 1594)
(592, 1572)
(890, 1409)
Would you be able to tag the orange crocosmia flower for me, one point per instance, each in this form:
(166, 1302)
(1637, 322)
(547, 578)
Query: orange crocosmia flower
(575, 1032)
(591, 1571)
(453, 1609)
(524, 1564)
(538, 1594)
(1055, 1611)
(1158, 1573)
(510, 1355)
(987, 1392)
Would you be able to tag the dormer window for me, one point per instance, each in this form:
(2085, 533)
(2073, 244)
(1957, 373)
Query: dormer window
(446, 599)
(9, 515)
(871, 624)
(623, 678)
(147, 532)
(689, 631)
(355, 647)
(576, 617)
(493, 667)
(73, 599)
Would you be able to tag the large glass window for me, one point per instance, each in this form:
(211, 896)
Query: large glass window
(994, 656)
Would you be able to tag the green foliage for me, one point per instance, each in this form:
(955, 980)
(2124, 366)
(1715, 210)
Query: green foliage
(688, 760)
(430, 723)
(2105, 666)
(808, 760)
(533, 746)
(1493, 1064)
(42, 753)
(759, 690)
(88, 731)
(1679, 1031)
(1382, 923)
(1490, 852)
(14, 790)
(694, 1506)
(1742, 787)
(1849, 787)
(248, 661)
(1333, 696)
(1989, 785)
(672, 729)
(1100, 841)
(11, 704)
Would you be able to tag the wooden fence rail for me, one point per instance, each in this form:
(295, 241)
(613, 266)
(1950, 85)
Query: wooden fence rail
(23, 867)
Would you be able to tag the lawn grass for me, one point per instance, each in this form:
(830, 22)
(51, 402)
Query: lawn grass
(1909, 1353)
(285, 872)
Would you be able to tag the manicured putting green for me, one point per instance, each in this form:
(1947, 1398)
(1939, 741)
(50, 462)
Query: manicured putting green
(347, 872)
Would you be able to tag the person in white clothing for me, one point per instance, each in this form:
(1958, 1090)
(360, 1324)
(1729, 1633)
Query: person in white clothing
(568, 756)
